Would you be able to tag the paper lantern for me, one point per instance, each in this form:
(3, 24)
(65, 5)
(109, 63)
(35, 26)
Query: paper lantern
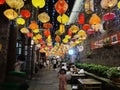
(62, 28)
(30, 34)
(57, 38)
(118, 4)
(38, 36)
(61, 6)
(74, 28)
(47, 32)
(86, 27)
(20, 21)
(90, 31)
(25, 13)
(33, 25)
(67, 36)
(81, 18)
(69, 32)
(63, 19)
(10, 14)
(94, 19)
(96, 27)
(38, 3)
(109, 16)
(44, 17)
(107, 4)
(35, 31)
(47, 25)
(65, 40)
(89, 6)
(2, 2)
(17, 4)
(82, 34)
(24, 30)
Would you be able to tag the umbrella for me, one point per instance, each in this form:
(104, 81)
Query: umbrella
(109, 16)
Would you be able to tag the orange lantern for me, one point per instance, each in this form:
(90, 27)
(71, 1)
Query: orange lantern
(69, 32)
(2, 2)
(81, 18)
(94, 19)
(33, 25)
(46, 32)
(30, 34)
(61, 6)
(86, 27)
(57, 38)
(25, 13)
(47, 25)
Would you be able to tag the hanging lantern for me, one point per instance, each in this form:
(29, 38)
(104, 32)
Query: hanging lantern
(24, 30)
(30, 34)
(109, 16)
(96, 27)
(74, 28)
(41, 40)
(17, 4)
(81, 18)
(89, 7)
(61, 6)
(2, 2)
(20, 21)
(38, 36)
(63, 19)
(67, 36)
(90, 31)
(57, 38)
(65, 40)
(33, 25)
(47, 25)
(94, 19)
(47, 32)
(62, 28)
(118, 5)
(38, 3)
(82, 34)
(86, 27)
(44, 17)
(69, 32)
(10, 14)
(107, 4)
(25, 13)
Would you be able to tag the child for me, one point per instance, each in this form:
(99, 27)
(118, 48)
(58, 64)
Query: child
(62, 80)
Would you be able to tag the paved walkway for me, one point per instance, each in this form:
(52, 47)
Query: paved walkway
(45, 80)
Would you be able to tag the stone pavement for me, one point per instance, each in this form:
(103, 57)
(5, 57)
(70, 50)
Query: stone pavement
(45, 80)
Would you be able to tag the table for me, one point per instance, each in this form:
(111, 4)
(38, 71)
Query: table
(90, 84)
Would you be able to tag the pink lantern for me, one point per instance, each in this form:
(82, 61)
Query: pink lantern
(109, 16)
(86, 27)
(90, 31)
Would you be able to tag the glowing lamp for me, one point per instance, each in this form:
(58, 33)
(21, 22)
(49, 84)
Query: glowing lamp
(61, 28)
(33, 25)
(17, 4)
(69, 32)
(47, 33)
(61, 6)
(74, 28)
(44, 17)
(24, 30)
(57, 38)
(2, 2)
(71, 51)
(65, 40)
(94, 19)
(47, 25)
(90, 31)
(109, 16)
(25, 13)
(38, 3)
(81, 18)
(10, 14)
(38, 36)
(30, 34)
(118, 5)
(63, 19)
(86, 27)
(35, 31)
(20, 21)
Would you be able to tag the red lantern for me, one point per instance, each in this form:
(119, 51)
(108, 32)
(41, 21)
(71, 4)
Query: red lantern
(2, 2)
(57, 38)
(47, 25)
(86, 27)
(30, 34)
(25, 13)
(90, 31)
(81, 18)
(40, 40)
(46, 32)
(61, 6)
(69, 33)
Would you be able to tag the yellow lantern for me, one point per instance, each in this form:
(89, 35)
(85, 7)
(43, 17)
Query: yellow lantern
(44, 17)
(36, 30)
(10, 14)
(20, 21)
(118, 4)
(34, 38)
(17, 4)
(24, 30)
(63, 19)
(67, 36)
(74, 28)
(62, 28)
(65, 40)
(38, 3)
(94, 19)
(82, 34)
(38, 36)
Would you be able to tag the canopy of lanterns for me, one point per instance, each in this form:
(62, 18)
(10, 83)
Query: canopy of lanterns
(75, 34)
